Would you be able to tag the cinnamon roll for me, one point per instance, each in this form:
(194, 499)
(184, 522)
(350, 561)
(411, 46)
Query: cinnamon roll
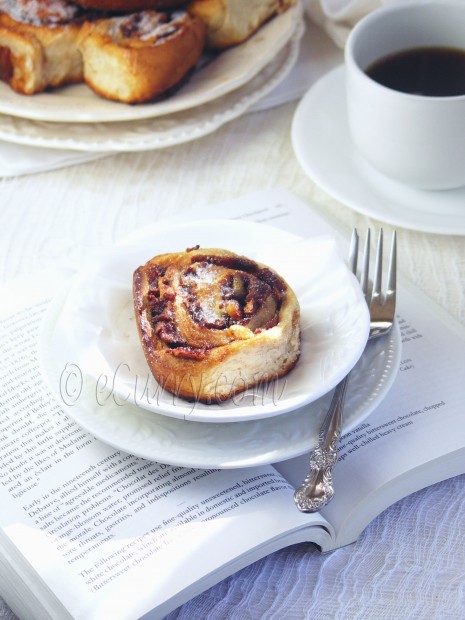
(213, 323)
(135, 58)
(230, 22)
(38, 45)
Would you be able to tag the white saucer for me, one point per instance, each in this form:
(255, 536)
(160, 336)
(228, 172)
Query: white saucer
(323, 147)
(221, 446)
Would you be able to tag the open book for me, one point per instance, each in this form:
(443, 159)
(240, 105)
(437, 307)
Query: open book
(90, 532)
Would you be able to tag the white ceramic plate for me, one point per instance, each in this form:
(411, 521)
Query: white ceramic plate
(223, 446)
(153, 133)
(97, 332)
(221, 75)
(323, 146)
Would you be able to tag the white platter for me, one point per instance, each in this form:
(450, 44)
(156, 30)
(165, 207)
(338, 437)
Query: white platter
(323, 146)
(96, 330)
(158, 132)
(216, 77)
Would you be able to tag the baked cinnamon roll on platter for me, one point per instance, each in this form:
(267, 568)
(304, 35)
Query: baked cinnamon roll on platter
(92, 61)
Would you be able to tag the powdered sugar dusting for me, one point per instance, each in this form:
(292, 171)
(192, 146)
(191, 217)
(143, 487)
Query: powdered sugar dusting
(40, 12)
(203, 279)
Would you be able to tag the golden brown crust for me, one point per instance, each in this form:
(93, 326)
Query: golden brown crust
(131, 6)
(135, 58)
(230, 23)
(212, 323)
(41, 51)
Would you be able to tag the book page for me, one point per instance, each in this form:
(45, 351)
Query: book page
(99, 525)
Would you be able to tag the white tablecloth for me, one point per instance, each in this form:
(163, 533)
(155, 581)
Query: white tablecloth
(410, 562)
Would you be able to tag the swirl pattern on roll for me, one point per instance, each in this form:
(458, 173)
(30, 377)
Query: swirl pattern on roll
(213, 323)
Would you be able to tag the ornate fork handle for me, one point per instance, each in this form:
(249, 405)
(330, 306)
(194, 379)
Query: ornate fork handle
(317, 488)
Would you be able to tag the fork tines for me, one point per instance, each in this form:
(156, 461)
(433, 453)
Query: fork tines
(382, 306)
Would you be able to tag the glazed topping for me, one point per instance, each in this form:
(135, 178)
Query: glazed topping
(38, 12)
(148, 26)
(214, 293)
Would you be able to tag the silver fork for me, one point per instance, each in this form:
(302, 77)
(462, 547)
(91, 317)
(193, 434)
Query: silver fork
(317, 488)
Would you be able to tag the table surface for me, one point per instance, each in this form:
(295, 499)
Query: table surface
(410, 562)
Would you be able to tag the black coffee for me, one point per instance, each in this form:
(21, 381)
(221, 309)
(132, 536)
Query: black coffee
(429, 71)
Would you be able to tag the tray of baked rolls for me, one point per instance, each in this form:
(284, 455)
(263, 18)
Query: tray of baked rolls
(119, 62)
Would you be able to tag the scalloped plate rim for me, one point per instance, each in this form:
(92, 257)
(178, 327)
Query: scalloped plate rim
(150, 133)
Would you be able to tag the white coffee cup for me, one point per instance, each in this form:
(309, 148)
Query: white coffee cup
(415, 139)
